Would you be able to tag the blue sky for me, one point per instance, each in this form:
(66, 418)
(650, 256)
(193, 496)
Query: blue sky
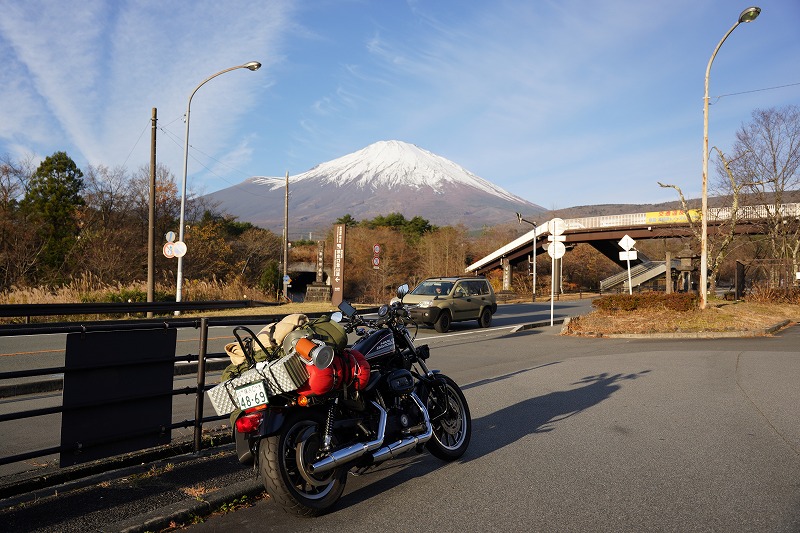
(563, 102)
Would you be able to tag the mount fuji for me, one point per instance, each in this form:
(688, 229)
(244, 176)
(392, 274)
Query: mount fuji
(385, 177)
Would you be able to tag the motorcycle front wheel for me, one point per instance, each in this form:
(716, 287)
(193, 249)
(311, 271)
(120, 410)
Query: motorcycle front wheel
(450, 418)
(282, 463)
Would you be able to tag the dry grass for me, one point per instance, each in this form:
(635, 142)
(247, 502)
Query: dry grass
(718, 317)
(197, 491)
(283, 309)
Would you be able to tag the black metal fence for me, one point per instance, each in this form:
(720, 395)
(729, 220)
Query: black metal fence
(155, 432)
(107, 308)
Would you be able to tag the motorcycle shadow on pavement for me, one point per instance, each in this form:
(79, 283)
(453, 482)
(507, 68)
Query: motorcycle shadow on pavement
(376, 481)
(496, 430)
(540, 414)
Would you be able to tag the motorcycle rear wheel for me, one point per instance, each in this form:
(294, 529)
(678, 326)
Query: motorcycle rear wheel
(281, 460)
(453, 430)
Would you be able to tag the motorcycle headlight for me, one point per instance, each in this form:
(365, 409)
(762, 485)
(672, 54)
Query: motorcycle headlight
(425, 303)
(383, 311)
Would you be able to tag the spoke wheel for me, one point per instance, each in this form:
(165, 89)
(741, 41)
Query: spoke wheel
(452, 425)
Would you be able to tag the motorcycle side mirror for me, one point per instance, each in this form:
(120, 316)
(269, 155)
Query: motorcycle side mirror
(402, 290)
(347, 309)
(337, 316)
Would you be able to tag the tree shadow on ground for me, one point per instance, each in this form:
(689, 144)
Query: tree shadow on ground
(497, 430)
(542, 413)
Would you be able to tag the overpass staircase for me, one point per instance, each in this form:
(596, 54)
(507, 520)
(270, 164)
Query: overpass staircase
(641, 273)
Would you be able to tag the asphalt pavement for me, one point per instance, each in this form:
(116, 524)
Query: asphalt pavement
(724, 407)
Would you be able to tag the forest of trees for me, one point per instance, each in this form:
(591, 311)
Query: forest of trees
(60, 225)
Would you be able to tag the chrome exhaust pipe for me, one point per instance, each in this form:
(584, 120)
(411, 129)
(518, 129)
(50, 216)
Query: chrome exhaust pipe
(345, 455)
(403, 445)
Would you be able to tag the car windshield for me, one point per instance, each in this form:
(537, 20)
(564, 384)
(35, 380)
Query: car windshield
(432, 288)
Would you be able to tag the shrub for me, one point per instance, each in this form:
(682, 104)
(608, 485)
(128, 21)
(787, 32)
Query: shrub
(681, 301)
(766, 294)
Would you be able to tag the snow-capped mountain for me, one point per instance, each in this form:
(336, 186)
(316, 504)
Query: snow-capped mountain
(385, 177)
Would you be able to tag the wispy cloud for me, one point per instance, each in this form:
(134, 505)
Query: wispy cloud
(99, 79)
(561, 102)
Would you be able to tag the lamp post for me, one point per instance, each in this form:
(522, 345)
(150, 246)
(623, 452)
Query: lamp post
(748, 15)
(252, 65)
(521, 220)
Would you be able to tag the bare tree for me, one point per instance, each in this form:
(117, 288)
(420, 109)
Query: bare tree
(766, 164)
(256, 247)
(443, 252)
(722, 224)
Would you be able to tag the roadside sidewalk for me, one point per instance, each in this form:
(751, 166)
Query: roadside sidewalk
(151, 496)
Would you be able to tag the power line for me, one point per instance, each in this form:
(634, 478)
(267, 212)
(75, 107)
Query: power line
(757, 90)
(136, 143)
(174, 138)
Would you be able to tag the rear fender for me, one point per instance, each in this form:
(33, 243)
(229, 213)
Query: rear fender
(271, 425)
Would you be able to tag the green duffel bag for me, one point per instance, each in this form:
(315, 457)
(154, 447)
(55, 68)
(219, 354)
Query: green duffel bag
(323, 328)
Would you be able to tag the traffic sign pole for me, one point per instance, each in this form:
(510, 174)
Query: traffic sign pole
(555, 250)
(627, 243)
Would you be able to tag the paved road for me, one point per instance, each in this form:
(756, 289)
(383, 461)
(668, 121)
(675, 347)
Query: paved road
(576, 434)
(27, 352)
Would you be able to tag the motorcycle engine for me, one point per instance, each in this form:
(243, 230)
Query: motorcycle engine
(400, 381)
(404, 417)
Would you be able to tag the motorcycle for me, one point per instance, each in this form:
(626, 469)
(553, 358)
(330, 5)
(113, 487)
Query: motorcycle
(303, 445)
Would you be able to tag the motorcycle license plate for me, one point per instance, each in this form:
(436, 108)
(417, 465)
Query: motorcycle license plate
(251, 395)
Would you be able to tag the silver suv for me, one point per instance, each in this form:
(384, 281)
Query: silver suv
(441, 301)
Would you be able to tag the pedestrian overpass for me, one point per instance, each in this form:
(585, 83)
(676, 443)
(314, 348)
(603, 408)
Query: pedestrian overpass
(604, 232)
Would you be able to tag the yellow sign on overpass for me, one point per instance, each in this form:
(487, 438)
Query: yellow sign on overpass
(676, 216)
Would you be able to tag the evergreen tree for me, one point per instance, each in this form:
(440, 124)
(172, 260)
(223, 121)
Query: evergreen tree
(52, 203)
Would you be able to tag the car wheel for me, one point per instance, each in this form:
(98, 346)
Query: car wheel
(485, 320)
(443, 324)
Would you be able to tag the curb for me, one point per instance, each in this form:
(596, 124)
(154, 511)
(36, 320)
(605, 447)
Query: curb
(187, 510)
(761, 332)
(539, 324)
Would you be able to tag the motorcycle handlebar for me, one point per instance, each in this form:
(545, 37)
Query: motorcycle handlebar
(388, 314)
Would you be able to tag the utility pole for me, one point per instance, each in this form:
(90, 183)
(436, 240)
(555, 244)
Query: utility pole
(151, 222)
(286, 239)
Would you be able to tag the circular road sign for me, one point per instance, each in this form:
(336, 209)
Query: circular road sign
(170, 236)
(179, 248)
(376, 249)
(556, 249)
(556, 226)
(169, 251)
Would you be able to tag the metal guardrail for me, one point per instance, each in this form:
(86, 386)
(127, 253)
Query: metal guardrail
(198, 391)
(200, 359)
(29, 310)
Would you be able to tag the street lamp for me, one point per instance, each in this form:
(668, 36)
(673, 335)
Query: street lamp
(521, 220)
(748, 15)
(252, 65)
